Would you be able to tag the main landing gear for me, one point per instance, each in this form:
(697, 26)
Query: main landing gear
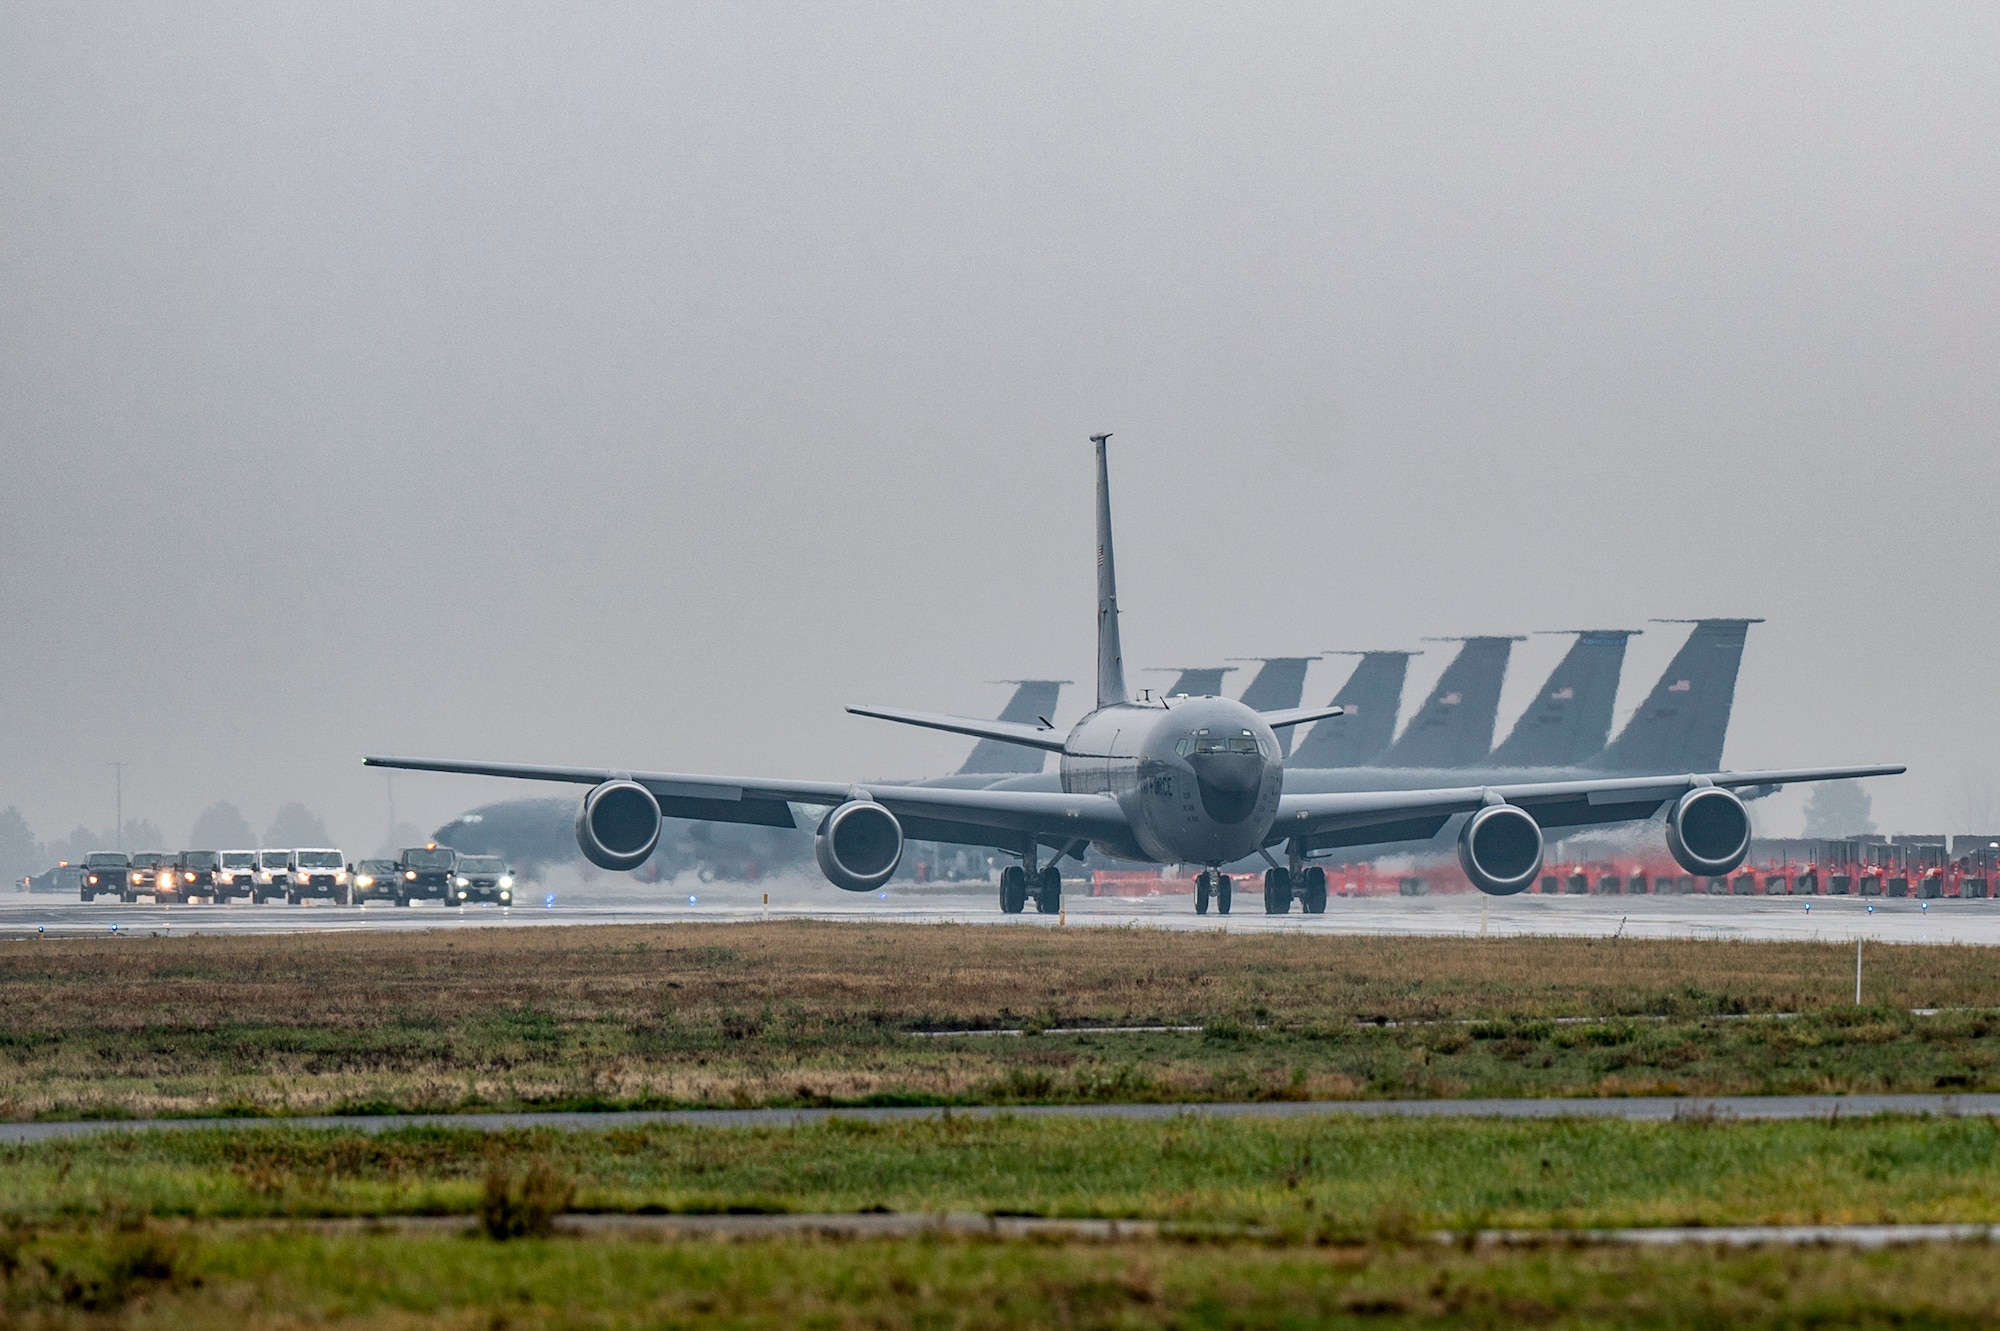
(1281, 885)
(1208, 884)
(1015, 890)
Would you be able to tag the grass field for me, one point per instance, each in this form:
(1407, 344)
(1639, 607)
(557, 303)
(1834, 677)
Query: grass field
(1267, 1223)
(814, 1013)
(153, 1277)
(1292, 1223)
(1317, 1179)
(1289, 1223)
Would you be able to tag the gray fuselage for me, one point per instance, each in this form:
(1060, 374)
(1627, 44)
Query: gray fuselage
(1199, 780)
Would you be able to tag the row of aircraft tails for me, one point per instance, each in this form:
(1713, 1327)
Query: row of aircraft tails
(1199, 779)
(1681, 725)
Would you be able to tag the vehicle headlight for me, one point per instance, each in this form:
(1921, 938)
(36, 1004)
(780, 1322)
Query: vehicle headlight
(364, 880)
(93, 878)
(410, 874)
(132, 877)
(461, 894)
(462, 881)
(506, 880)
(189, 877)
(263, 876)
(340, 877)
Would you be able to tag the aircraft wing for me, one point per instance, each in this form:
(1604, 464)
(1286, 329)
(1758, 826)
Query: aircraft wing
(1007, 732)
(1279, 718)
(1004, 818)
(1366, 818)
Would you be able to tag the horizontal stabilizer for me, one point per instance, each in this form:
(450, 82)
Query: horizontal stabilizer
(1007, 732)
(1297, 716)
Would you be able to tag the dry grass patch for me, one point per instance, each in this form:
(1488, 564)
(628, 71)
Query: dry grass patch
(813, 1013)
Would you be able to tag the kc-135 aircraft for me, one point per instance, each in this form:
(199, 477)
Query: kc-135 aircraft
(1192, 781)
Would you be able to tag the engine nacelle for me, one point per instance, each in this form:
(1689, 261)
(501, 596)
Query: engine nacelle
(1708, 830)
(618, 825)
(858, 846)
(1500, 849)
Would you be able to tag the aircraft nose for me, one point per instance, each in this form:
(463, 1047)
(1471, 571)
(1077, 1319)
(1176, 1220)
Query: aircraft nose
(1228, 784)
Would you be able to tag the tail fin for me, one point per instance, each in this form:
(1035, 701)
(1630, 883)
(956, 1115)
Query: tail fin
(1371, 697)
(1279, 686)
(1454, 727)
(1195, 681)
(1110, 656)
(1033, 700)
(1684, 720)
(1570, 719)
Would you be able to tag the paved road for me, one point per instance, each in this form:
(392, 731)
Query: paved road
(1644, 1109)
(1469, 914)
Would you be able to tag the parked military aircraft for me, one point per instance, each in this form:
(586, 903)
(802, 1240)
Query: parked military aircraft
(1197, 781)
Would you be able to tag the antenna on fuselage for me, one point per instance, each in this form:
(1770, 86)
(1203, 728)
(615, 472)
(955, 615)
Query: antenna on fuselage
(1110, 656)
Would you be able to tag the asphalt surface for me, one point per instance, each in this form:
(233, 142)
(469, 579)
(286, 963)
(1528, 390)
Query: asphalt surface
(1899, 920)
(1638, 1109)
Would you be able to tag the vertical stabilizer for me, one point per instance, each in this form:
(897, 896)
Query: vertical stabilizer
(1194, 681)
(1279, 686)
(1110, 656)
(1033, 700)
(1570, 719)
(1454, 727)
(1684, 720)
(1371, 698)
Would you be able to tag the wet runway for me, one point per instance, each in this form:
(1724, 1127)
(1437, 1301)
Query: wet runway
(1839, 919)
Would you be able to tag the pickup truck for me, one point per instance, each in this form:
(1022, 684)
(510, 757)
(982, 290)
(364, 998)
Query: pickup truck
(193, 873)
(144, 878)
(104, 874)
(427, 871)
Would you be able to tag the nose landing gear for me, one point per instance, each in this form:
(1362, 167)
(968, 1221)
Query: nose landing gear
(1209, 885)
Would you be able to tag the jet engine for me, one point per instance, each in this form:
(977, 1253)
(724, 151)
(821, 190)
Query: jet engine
(1708, 830)
(1500, 849)
(858, 846)
(618, 825)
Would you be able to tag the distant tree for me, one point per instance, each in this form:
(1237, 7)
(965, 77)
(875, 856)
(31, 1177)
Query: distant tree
(19, 853)
(1837, 809)
(222, 826)
(296, 825)
(143, 834)
(401, 837)
(79, 843)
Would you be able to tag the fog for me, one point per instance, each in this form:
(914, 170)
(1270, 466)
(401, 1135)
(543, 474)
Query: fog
(639, 386)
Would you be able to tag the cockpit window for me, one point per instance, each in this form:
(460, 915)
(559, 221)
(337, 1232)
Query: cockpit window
(1204, 742)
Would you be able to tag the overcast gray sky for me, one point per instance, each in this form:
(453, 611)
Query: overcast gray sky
(639, 385)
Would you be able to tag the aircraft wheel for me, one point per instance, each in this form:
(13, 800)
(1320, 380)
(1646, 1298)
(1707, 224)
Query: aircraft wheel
(1201, 884)
(1315, 891)
(1277, 892)
(1048, 892)
(1223, 889)
(1013, 889)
